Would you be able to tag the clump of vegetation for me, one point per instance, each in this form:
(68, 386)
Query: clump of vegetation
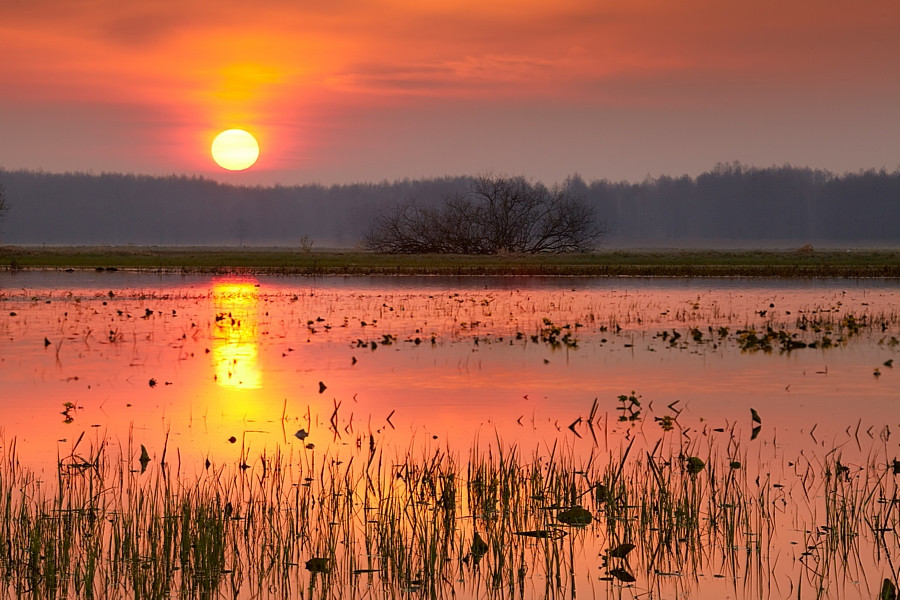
(554, 335)
(751, 341)
(498, 215)
(630, 407)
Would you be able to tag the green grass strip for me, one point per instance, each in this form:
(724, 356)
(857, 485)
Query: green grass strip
(671, 263)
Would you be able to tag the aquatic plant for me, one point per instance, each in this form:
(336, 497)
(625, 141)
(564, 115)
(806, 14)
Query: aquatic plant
(495, 522)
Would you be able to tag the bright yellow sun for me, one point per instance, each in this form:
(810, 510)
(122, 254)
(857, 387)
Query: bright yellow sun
(235, 150)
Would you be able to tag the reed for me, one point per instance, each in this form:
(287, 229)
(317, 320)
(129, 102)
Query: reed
(495, 524)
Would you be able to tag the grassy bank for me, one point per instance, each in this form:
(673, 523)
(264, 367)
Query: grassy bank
(668, 263)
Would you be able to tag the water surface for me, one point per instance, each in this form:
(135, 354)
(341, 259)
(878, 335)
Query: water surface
(227, 369)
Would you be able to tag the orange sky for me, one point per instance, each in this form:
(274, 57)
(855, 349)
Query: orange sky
(347, 91)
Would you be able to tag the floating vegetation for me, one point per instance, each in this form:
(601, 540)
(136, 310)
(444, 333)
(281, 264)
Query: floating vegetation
(754, 416)
(621, 551)
(622, 575)
(630, 407)
(693, 464)
(576, 516)
(556, 336)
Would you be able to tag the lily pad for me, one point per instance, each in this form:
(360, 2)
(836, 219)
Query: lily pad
(144, 459)
(694, 465)
(575, 516)
(479, 546)
(317, 565)
(621, 551)
(553, 534)
(622, 575)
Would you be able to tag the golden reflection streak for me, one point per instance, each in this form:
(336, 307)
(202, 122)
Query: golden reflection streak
(235, 334)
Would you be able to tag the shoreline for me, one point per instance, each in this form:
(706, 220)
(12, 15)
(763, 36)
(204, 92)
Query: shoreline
(803, 263)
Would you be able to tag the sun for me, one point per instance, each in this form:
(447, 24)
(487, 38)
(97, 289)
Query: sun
(235, 150)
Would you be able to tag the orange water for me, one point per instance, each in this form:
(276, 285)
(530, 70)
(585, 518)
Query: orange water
(222, 367)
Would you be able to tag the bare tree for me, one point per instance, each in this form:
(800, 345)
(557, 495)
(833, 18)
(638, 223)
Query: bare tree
(3, 205)
(498, 214)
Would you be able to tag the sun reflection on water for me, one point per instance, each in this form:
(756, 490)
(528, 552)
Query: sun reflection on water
(235, 334)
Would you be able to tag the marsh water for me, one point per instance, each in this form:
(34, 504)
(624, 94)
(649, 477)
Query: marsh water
(729, 438)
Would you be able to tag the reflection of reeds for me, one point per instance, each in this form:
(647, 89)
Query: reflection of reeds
(495, 525)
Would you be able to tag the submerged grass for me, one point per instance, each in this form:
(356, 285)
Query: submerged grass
(672, 263)
(308, 524)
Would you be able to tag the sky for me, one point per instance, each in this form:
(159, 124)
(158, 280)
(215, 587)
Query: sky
(348, 91)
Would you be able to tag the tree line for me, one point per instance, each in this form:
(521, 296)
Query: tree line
(731, 203)
(741, 204)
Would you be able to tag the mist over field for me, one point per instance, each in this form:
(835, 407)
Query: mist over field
(728, 206)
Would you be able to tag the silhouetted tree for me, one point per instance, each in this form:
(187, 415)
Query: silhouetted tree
(3, 206)
(497, 214)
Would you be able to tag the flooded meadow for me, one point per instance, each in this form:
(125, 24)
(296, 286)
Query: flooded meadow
(435, 437)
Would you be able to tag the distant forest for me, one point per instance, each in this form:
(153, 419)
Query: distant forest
(729, 206)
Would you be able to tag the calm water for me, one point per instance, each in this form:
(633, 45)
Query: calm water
(229, 369)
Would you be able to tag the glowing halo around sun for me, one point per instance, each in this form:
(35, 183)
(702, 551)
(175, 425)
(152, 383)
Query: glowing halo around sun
(235, 150)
